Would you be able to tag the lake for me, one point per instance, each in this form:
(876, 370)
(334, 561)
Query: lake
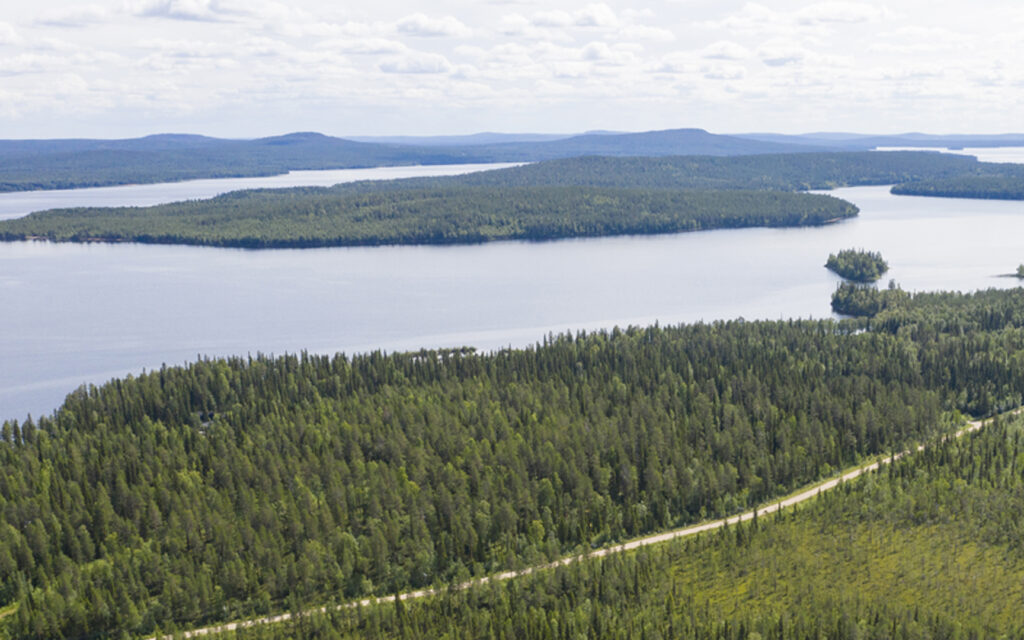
(87, 313)
(19, 203)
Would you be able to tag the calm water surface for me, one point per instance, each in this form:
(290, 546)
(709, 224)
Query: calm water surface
(17, 204)
(86, 313)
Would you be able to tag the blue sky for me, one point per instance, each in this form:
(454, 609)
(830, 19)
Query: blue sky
(121, 68)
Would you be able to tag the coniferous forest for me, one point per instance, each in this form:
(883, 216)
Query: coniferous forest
(318, 217)
(572, 197)
(857, 265)
(236, 487)
(928, 548)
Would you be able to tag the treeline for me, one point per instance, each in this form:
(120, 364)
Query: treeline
(930, 547)
(1009, 185)
(777, 172)
(857, 265)
(237, 487)
(317, 217)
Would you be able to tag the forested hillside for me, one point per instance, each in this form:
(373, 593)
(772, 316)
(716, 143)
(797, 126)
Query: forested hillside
(316, 217)
(928, 548)
(233, 487)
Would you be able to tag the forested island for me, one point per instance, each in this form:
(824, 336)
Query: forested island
(857, 265)
(235, 487)
(318, 217)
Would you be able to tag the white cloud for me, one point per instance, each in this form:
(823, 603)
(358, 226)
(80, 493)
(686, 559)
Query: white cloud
(551, 19)
(75, 17)
(725, 50)
(724, 71)
(364, 46)
(421, 25)
(780, 53)
(416, 62)
(641, 32)
(678, 62)
(596, 15)
(602, 53)
(196, 10)
(842, 12)
(8, 35)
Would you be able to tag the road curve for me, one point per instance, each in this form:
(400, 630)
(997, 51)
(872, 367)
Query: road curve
(803, 496)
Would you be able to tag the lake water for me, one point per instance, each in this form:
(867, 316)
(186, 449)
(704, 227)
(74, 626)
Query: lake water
(20, 203)
(86, 313)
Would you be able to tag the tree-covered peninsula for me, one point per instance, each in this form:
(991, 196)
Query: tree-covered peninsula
(319, 217)
(229, 488)
(857, 265)
(993, 182)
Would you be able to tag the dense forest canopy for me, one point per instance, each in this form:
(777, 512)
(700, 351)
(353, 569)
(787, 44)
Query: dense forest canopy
(778, 172)
(857, 265)
(928, 548)
(316, 217)
(233, 487)
(1004, 183)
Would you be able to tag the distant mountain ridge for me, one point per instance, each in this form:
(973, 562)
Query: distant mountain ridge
(75, 163)
(860, 142)
(63, 164)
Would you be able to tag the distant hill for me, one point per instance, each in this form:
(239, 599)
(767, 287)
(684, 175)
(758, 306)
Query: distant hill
(671, 142)
(463, 140)
(74, 163)
(853, 141)
(62, 164)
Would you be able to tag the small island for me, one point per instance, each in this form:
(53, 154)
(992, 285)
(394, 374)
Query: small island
(857, 265)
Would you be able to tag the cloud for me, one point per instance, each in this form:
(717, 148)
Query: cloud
(596, 15)
(196, 10)
(725, 50)
(641, 32)
(724, 71)
(780, 53)
(519, 26)
(416, 62)
(364, 46)
(842, 12)
(423, 26)
(8, 35)
(678, 62)
(551, 19)
(75, 17)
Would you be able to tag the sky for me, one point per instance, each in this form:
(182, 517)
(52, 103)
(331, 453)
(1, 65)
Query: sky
(250, 68)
